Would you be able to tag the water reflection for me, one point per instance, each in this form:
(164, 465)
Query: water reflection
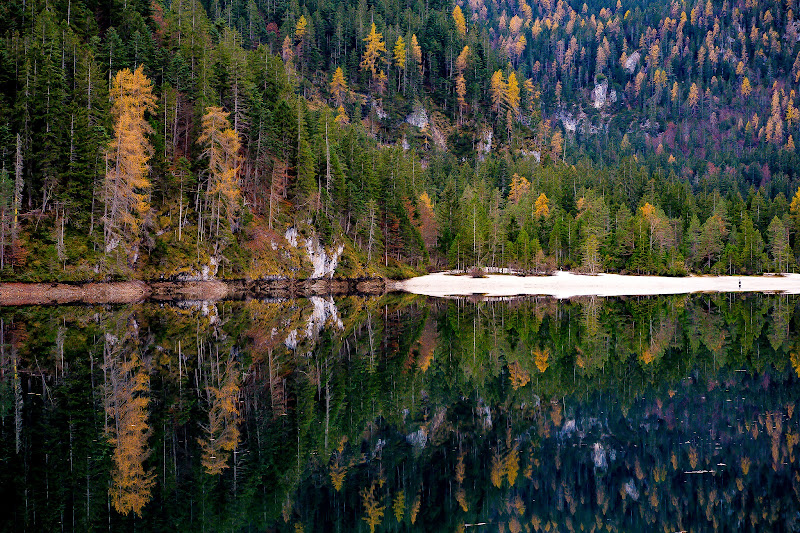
(403, 413)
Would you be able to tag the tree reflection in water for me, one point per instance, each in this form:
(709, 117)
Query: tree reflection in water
(403, 413)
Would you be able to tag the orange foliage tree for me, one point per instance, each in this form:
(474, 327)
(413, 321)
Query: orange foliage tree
(127, 185)
(127, 404)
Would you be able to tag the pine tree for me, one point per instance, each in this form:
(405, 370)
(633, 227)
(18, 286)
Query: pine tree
(779, 245)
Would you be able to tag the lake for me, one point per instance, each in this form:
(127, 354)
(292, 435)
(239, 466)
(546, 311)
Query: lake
(403, 413)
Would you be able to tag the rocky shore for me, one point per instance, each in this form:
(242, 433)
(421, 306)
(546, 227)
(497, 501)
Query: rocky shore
(138, 291)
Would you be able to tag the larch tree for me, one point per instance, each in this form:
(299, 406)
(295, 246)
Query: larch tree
(461, 86)
(341, 116)
(746, 89)
(694, 97)
(126, 401)
(458, 20)
(498, 90)
(400, 55)
(221, 148)
(300, 33)
(519, 187)
(127, 185)
(338, 86)
(512, 94)
(542, 207)
(416, 55)
(373, 56)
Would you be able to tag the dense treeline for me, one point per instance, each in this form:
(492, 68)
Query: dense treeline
(158, 142)
(184, 137)
(613, 219)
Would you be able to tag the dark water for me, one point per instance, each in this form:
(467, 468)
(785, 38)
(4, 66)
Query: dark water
(403, 413)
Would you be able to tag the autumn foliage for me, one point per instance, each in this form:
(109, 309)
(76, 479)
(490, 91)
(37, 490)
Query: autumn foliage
(127, 184)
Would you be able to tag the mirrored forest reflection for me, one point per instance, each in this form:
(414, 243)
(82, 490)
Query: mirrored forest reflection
(402, 413)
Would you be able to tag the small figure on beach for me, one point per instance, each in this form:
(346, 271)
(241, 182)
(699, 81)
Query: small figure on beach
(740, 283)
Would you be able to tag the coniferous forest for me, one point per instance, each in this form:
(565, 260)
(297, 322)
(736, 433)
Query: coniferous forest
(244, 139)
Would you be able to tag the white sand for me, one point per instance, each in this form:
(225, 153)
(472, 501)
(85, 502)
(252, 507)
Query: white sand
(566, 284)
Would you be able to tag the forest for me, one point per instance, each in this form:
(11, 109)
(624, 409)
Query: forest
(238, 139)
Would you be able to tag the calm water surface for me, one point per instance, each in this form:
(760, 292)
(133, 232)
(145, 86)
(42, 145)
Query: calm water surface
(403, 413)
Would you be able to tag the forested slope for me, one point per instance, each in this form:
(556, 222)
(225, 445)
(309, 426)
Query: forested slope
(186, 138)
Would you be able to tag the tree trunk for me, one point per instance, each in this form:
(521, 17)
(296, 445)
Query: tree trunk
(18, 183)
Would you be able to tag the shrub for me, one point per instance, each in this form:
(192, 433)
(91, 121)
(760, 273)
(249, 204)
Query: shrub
(476, 272)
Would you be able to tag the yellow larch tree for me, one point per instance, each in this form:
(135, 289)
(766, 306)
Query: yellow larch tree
(496, 472)
(498, 90)
(301, 28)
(399, 52)
(519, 187)
(338, 471)
(416, 54)
(287, 54)
(557, 144)
(512, 94)
(792, 113)
(461, 85)
(374, 54)
(541, 208)
(221, 148)
(540, 358)
(746, 89)
(372, 507)
(399, 506)
(341, 116)
(694, 97)
(338, 86)
(126, 404)
(400, 55)
(461, 92)
(415, 507)
(519, 47)
(460, 468)
(458, 19)
(127, 185)
(518, 376)
(511, 465)
(461, 60)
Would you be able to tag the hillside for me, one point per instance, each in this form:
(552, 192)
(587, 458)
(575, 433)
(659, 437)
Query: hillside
(238, 139)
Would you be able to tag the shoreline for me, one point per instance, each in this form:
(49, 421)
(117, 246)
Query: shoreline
(567, 285)
(125, 292)
(440, 284)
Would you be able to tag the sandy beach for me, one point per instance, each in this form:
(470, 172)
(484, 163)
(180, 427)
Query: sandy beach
(567, 284)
